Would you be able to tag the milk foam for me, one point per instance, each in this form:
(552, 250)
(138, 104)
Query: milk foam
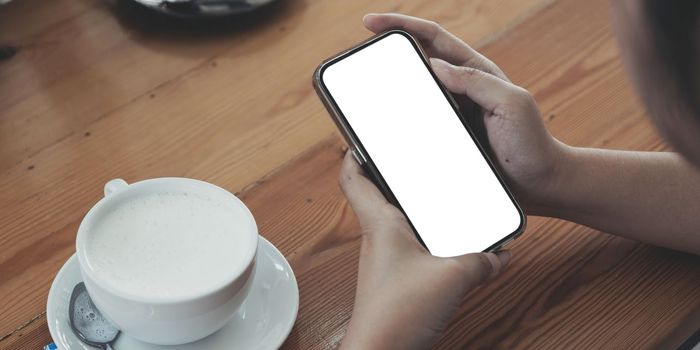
(168, 244)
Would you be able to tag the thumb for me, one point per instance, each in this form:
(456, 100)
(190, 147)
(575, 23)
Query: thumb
(486, 90)
(482, 266)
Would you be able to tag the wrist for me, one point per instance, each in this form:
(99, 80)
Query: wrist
(385, 332)
(558, 182)
(359, 339)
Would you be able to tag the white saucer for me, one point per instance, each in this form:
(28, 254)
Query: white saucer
(263, 322)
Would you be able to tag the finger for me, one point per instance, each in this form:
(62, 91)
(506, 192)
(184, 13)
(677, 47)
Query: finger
(437, 41)
(362, 194)
(482, 266)
(486, 90)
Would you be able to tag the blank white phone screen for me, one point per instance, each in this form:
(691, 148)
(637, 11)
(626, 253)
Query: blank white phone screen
(421, 148)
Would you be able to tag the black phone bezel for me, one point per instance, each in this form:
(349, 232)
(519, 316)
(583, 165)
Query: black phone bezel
(368, 166)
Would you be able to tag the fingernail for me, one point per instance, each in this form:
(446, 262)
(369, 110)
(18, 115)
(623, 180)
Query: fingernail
(504, 256)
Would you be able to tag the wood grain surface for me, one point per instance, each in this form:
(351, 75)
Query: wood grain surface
(96, 93)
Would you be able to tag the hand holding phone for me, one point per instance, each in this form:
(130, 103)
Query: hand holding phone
(508, 117)
(405, 296)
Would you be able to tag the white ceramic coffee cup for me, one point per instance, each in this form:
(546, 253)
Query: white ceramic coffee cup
(167, 320)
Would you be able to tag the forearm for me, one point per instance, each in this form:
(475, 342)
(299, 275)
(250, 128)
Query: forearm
(648, 196)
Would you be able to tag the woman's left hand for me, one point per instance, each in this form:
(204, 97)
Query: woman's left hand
(405, 296)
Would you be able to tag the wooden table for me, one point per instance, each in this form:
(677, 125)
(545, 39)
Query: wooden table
(92, 95)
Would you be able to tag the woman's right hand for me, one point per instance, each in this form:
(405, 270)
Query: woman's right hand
(524, 150)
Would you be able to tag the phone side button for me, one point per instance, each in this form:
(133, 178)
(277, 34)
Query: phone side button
(504, 244)
(357, 155)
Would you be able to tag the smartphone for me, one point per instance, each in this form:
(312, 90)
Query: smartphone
(407, 133)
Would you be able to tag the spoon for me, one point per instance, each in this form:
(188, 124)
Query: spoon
(87, 322)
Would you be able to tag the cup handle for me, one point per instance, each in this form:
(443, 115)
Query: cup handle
(114, 186)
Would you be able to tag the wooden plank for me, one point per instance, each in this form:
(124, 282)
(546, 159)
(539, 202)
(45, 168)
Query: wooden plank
(21, 19)
(89, 98)
(32, 335)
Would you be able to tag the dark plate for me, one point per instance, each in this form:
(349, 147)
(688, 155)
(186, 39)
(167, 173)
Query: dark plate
(198, 9)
